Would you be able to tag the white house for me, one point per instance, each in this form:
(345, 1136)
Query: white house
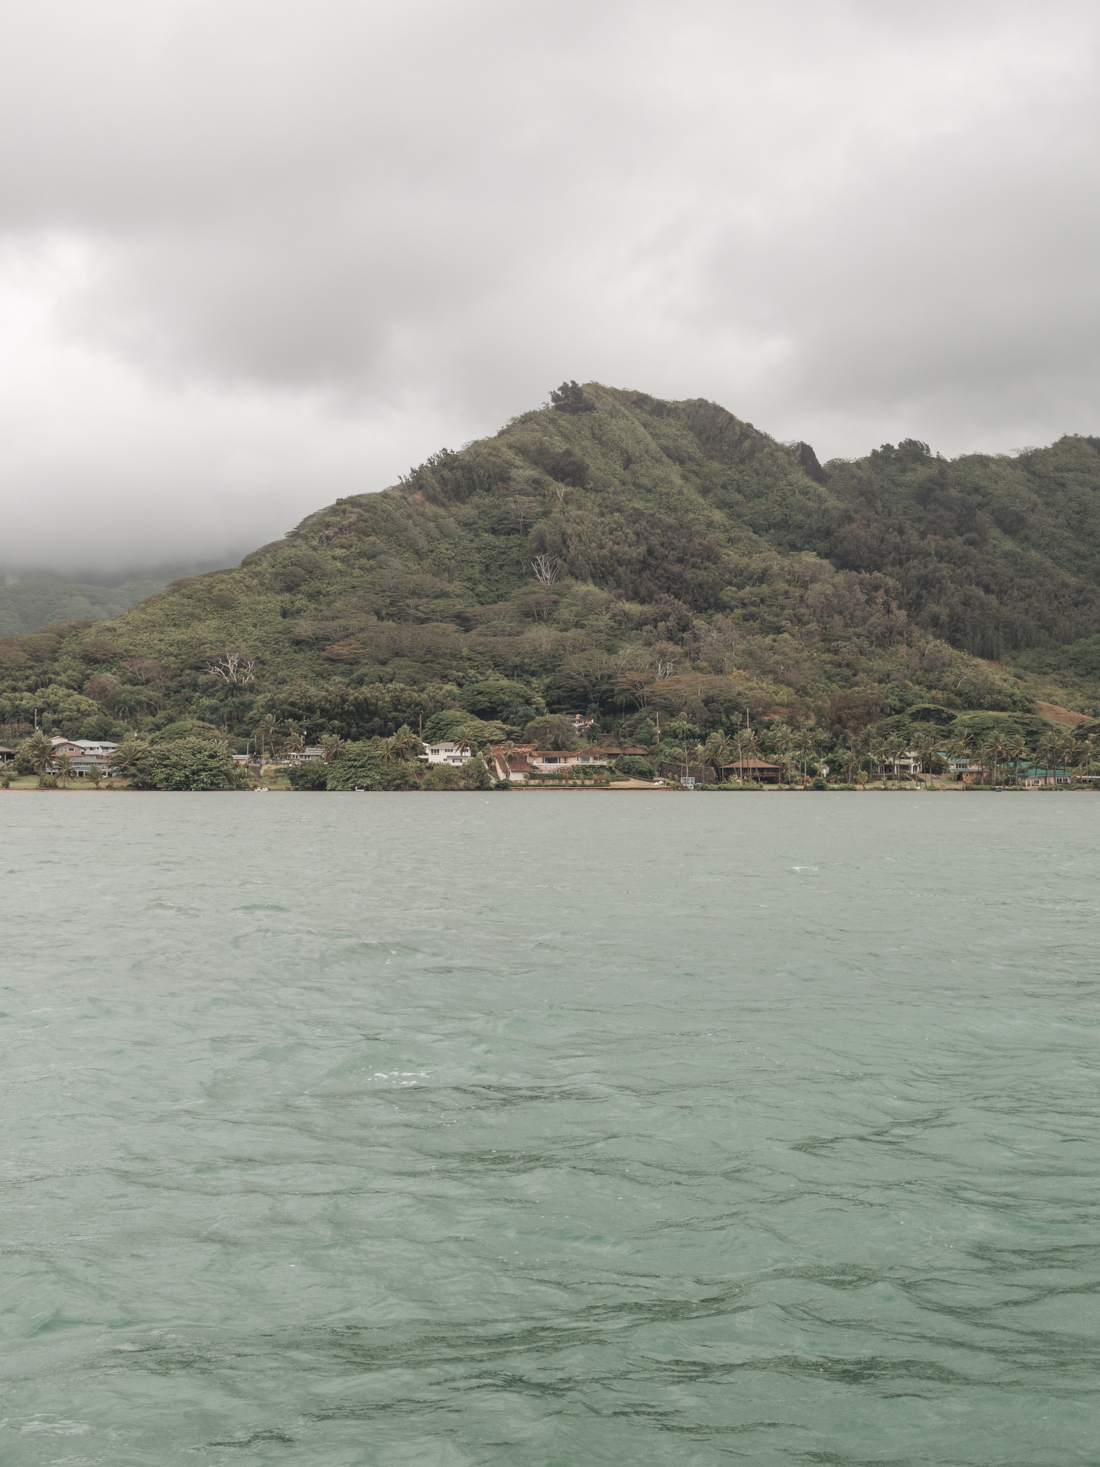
(446, 752)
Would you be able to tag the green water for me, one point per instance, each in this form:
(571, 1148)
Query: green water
(550, 1129)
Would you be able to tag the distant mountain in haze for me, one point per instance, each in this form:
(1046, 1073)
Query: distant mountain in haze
(620, 554)
(31, 603)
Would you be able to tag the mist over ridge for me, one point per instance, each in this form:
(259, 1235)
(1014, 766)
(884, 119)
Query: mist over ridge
(240, 280)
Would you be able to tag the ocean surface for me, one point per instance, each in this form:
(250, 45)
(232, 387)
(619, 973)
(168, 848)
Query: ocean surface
(550, 1130)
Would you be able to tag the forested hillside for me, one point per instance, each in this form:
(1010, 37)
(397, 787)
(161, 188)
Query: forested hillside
(620, 555)
(29, 604)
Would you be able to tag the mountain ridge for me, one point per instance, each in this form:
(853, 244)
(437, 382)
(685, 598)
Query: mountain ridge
(615, 552)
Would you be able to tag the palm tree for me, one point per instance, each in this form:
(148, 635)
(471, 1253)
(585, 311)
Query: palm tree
(877, 753)
(63, 768)
(895, 749)
(266, 731)
(995, 752)
(747, 748)
(1067, 745)
(1049, 750)
(847, 759)
(405, 744)
(1016, 751)
(784, 744)
(332, 746)
(804, 742)
(926, 752)
(716, 753)
(957, 749)
(40, 749)
(400, 746)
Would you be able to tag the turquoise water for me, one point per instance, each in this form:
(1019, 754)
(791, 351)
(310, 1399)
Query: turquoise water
(550, 1129)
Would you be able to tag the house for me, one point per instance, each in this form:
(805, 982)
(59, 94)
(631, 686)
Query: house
(964, 767)
(757, 770)
(86, 756)
(512, 766)
(303, 756)
(92, 763)
(523, 760)
(96, 746)
(446, 751)
(6, 754)
(1034, 777)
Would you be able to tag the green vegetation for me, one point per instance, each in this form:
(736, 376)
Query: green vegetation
(652, 564)
(32, 603)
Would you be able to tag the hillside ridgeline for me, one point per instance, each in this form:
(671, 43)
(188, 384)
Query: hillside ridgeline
(622, 556)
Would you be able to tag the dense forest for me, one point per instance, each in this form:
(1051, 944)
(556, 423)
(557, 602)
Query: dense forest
(625, 557)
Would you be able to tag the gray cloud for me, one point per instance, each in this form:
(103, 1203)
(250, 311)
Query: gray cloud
(256, 255)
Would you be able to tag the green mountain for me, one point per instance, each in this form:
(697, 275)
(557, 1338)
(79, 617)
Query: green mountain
(622, 555)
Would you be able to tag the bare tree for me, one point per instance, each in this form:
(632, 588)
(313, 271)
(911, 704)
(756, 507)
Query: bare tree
(547, 568)
(234, 667)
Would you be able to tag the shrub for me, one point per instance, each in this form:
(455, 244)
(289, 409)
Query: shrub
(472, 775)
(312, 775)
(195, 764)
(361, 767)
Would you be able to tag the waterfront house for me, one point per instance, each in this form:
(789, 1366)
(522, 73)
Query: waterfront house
(446, 751)
(86, 756)
(1034, 777)
(304, 756)
(525, 760)
(96, 746)
(964, 767)
(6, 754)
(757, 770)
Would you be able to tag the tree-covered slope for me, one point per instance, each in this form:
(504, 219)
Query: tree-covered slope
(29, 604)
(621, 554)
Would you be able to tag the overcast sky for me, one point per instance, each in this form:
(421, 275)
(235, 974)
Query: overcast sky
(258, 253)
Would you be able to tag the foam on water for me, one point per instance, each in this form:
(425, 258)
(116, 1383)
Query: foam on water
(550, 1129)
